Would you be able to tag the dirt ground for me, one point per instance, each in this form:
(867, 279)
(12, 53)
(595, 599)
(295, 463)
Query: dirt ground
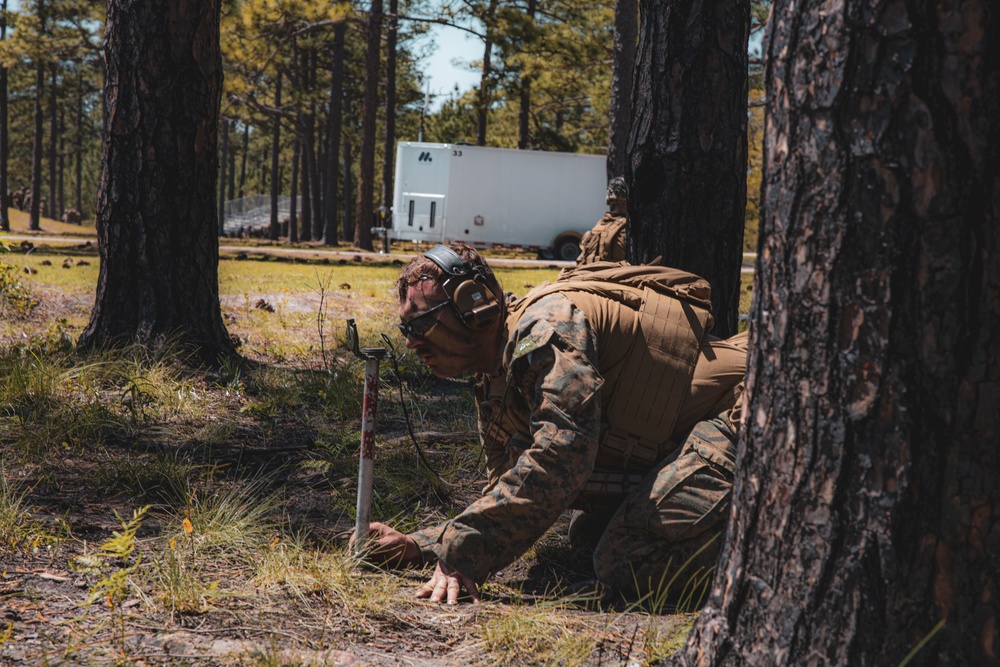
(527, 616)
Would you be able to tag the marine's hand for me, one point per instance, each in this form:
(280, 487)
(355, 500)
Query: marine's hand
(446, 585)
(389, 546)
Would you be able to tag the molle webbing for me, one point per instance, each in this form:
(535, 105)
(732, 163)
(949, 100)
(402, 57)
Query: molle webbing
(645, 391)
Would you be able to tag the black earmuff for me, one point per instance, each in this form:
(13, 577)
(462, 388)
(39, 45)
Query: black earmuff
(474, 303)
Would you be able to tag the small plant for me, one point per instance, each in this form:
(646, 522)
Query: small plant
(16, 299)
(113, 589)
(17, 529)
(180, 578)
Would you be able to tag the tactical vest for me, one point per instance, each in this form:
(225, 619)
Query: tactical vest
(605, 242)
(650, 322)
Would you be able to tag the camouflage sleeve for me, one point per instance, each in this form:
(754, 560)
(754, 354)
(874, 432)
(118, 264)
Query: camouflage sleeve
(553, 368)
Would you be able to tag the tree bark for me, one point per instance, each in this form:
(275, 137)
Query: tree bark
(293, 205)
(622, 71)
(366, 168)
(348, 184)
(274, 230)
(333, 133)
(865, 510)
(243, 160)
(78, 177)
(483, 99)
(34, 215)
(524, 109)
(53, 199)
(4, 140)
(314, 156)
(389, 147)
(307, 212)
(688, 144)
(156, 217)
(60, 180)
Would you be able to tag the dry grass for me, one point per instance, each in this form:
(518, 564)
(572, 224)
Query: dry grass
(249, 476)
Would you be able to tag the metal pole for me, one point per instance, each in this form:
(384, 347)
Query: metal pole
(367, 459)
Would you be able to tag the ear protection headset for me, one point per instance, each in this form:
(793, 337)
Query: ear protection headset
(474, 302)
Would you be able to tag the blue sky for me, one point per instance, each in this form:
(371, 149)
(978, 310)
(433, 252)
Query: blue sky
(443, 67)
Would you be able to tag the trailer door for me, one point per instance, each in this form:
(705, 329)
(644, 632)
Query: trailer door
(422, 217)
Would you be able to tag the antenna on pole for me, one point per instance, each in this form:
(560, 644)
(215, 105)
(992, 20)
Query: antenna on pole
(423, 110)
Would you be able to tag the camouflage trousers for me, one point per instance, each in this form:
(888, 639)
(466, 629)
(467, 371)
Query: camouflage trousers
(665, 537)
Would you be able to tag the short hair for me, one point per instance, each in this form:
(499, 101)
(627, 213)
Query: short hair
(423, 268)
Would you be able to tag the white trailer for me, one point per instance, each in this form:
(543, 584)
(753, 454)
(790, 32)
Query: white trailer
(487, 197)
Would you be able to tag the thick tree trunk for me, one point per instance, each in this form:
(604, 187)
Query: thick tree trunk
(4, 143)
(34, 219)
(156, 221)
(274, 230)
(622, 71)
(688, 144)
(865, 511)
(366, 168)
(389, 147)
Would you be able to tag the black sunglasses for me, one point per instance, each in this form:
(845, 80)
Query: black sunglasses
(418, 325)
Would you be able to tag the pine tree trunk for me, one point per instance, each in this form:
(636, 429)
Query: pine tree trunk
(4, 143)
(61, 172)
(34, 219)
(389, 147)
(315, 156)
(307, 212)
(53, 198)
(865, 511)
(156, 215)
(366, 167)
(333, 133)
(348, 185)
(274, 230)
(293, 206)
(688, 144)
(78, 177)
(483, 98)
(524, 108)
(243, 160)
(622, 71)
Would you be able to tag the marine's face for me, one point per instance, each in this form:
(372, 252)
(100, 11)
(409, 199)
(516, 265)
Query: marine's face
(616, 206)
(436, 334)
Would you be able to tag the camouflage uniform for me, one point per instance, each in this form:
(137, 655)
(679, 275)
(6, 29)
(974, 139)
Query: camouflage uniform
(605, 242)
(541, 420)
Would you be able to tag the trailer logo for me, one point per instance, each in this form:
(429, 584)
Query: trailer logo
(425, 157)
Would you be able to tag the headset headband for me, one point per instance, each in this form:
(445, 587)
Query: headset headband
(449, 261)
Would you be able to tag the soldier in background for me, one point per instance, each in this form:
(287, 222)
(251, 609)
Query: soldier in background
(579, 408)
(606, 241)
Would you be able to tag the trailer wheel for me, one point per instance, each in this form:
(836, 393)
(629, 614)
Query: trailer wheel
(567, 249)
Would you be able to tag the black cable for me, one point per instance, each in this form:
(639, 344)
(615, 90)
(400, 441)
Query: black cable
(406, 413)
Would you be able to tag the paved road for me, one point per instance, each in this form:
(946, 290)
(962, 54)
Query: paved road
(320, 253)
